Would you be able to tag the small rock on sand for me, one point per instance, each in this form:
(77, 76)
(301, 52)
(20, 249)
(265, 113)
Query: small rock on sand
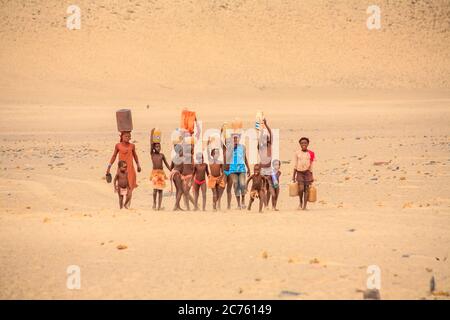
(371, 294)
(121, 247)
(289, 293)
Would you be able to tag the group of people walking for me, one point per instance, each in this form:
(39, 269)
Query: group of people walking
(226, 169)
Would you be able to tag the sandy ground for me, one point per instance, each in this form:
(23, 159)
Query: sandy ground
(57, 210)
(361, 97)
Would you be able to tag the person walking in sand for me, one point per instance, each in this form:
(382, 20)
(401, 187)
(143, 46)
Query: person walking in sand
(265, 161)
(238, 167)
(303, 164)
(127, 153)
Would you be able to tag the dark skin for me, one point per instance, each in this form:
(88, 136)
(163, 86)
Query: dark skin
(258, 184)
(216, 169)
(199, 174)
(265, 155)
(121, 181)
(158, 159)
(228, 181)
(188, 169)
(303, 189)
(177, 178)
(240, 199)
(126, 137)
(276, 192)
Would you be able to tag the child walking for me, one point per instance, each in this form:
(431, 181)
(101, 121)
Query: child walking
(199, 176)
(303, 164)
(158, 177)
(121, 184)
(275, 184)
(258, 191)
(216, 179)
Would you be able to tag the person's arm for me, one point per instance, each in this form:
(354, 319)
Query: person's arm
(295, 166)
(268, 129)
(194, 172)
(165, 162)
(246, 163)
(207, 170)
(248, 181)
(198, 128)
(113, 158)
(136, 159)
(116, 188)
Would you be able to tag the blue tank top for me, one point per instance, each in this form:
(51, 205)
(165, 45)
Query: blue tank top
(237, 164)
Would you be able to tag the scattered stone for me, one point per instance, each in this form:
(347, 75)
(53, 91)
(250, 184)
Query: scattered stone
(402, 178)
(407, 205)
(432, 284)
(46, 220)
(314, 261)
(405, 256)
(351, 230)
(289, 293)
(265, 255)
(371, 294)
(381, 163)
(121, 247)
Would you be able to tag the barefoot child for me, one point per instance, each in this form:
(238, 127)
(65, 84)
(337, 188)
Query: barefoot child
(176, 168)
(265, 160)
(216, 180)
(121, 185)
(199, 175)
(158, 177)
(258, 187)
(187, 173)
(275, 184)
(127, 153)
(303, 161)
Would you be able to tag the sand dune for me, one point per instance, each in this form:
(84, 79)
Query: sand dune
(148, 51)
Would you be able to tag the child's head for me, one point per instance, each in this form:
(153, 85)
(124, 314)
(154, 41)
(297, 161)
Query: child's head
(122, 166)
(236, 139)
(199, 157)
(257, 169)
(156, 147)
(304, 142)
(178, 148)
(215, 154)
(125, 136)
(276, 164)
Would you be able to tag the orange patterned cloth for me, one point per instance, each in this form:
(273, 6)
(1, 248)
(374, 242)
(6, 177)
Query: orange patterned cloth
(158, 178)
(254, 194)
(214, 181)
(188, 120)
(126, 154)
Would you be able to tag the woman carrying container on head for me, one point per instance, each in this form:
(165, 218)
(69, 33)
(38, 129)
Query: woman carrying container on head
(127, 153)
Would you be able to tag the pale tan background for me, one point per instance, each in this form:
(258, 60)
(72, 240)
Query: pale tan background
(313, 67)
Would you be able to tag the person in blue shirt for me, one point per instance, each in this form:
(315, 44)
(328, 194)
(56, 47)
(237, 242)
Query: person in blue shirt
(237, 169)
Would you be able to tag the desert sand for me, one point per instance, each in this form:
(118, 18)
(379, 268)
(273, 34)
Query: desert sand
(375, 105)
